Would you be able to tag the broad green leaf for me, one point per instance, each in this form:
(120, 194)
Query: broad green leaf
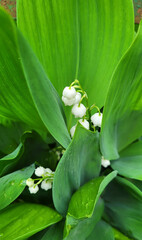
(20, 221)
(15, 99)
(10, 136)
(12, 185)
(44, 95)
(130, 162)
(32, 100)
(122, 116)
(124, 208)
(30, 149)
(82, 205)
(80, 163)
(78, 39)
(55, 232)
(80, 229)
(102, 231)
(83, 201)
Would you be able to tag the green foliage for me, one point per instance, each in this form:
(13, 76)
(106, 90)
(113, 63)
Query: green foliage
(55, 43)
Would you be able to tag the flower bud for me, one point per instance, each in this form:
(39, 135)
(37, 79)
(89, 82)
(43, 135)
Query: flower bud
(34, 189)
(77, 98)
(69, 92)
(105, 163)
(72, 130)
(39, 171)
(79, 110)
(97, 119)
(46, 185)
(30, 182)
(84, 123)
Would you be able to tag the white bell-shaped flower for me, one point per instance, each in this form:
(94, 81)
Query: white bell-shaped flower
(46, 185)
(34, 189)
(30, 182)
(105, 163)
(77, 98)
(97, 119)
(79, 110)
(48, 172)
(84, 123)
(67, 101)
(72, 130)
(40, 171)
(69, 92)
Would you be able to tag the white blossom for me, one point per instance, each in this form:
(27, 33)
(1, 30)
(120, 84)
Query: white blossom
(40, 171)
(68, 102)
(46, 185)
(69, 92)
(72, 130)
(84, 123)
(34, 189)
(48, 172)
(79, 110)
(30, 182)
(105, 163)
(77, 98)
(97, 119)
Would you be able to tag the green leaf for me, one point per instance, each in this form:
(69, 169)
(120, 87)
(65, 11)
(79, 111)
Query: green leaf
(83, 203)
(10, 136)
(80, 229)
(15, 101)
(78, 39)
(32, 100)
(55, 232)
(20, 221)
(102, 231)
(80, 163)
(123, 109)
(44, 95)
(124, 208)
(31, 149)
(130, 162)
(12, 185)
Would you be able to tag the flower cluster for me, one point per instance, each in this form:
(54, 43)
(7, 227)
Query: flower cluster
(73, 97)
(46, 178)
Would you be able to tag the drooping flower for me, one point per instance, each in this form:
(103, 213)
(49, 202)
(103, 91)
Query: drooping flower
(79, 110)
(30, 182)
(46, 185)
(40, 171)
(34, 189)
(97, 119)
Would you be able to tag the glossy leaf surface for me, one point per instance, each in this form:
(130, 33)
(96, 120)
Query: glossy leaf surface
(12, 185)
(130, 162)
(82, 210)
(124, 208)
(122, 116)
(30, 219)
(78, 39)
(44, 95)
(80, 163)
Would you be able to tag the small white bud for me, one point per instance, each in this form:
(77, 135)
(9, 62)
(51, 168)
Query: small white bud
(97, 119)
(105, 163)
(48, 172)
(72, 130)
(34, 189)
(69, 92)
(79, 111)
(30, 182)
(84, 123)
(67, 101)
(77, 98)
(39, 171)
(46, 185)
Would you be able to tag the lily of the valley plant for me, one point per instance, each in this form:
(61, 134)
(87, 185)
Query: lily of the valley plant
(70, 121)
